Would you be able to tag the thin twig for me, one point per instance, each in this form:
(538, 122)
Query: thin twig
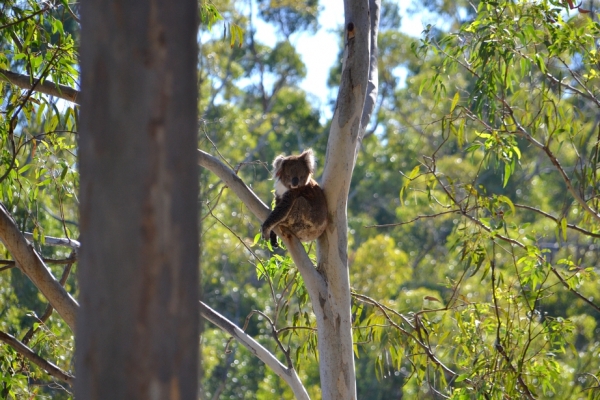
(553, 218)
(18, 21)
(421, 344)
(14, 118)
(264, 268)
(455, 211)
(516, 243)
(275, 333)
(522, 132)
(498, 345)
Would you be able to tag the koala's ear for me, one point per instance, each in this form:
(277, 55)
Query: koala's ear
(277, 164)
(309, 157)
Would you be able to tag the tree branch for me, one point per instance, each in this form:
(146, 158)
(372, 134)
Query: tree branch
(54, 241)
(289, 375)
(512, 241)
(47, 87)
(275, 334)
(557, 220)
(32, 265)
(229, 177)
(428, 351)
(25, 18)
(29, 354)
(498, 345)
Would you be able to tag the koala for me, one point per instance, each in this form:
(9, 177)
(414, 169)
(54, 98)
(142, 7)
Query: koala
(300, 205)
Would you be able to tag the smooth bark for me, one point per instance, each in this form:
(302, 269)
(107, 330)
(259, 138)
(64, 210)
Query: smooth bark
(139, 318)
(333, 310)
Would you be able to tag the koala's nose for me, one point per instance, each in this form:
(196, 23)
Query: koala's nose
(295, 181)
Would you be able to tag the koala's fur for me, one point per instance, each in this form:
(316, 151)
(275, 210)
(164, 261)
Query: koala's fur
(300, 205)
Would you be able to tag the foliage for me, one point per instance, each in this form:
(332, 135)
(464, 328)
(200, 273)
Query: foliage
(517, 101)
(38, 181)
(209, 15)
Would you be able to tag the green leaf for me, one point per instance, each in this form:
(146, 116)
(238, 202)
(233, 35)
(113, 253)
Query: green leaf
(517, 151)
(461, 378)
(63, 173)
(413, 174)
(24, 168)
(563, 227)
(506, 200)
(57, 26)
(454, 102)
(507, 172)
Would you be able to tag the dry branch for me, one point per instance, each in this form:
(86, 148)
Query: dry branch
(55, 241)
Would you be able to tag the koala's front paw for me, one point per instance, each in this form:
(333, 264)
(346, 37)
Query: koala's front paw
(266, 233)
(273, 239)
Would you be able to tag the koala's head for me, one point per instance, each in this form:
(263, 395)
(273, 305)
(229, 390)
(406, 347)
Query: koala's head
(293, 171)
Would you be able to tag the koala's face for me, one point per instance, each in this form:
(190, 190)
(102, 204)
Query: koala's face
(293, 171)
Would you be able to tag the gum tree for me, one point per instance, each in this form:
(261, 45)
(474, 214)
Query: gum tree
(327, 282)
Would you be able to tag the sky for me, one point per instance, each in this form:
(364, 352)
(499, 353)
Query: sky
(319, 51)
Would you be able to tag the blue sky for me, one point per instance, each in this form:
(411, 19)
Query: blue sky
(319, 51)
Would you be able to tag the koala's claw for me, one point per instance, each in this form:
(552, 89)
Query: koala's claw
(269, 235)
(274, 243)
(265, 233)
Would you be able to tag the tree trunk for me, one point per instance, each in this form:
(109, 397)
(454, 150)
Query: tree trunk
(333, 310)
(328, 284)
(138, 326)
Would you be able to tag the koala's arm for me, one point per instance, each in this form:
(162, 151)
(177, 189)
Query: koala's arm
(279, 213)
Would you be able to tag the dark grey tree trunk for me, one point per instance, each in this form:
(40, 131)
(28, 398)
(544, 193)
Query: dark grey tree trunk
(138, 326)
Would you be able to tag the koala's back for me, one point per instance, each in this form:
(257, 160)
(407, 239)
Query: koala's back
(307, 218)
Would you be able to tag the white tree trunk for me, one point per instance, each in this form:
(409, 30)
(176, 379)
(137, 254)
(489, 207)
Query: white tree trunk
(329, 285)
(333, 309)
